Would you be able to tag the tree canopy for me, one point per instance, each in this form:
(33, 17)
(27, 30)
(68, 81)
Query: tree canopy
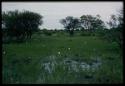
(90, 22)
(21, 24)
(70, 24)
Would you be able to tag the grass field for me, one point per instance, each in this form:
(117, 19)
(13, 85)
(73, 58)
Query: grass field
(62, 60)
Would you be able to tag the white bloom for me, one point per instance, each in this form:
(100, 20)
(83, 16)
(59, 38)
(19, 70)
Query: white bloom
(58, 52)
(68, 48)
(4, 52)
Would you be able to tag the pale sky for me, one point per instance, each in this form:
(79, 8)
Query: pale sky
(52, 12)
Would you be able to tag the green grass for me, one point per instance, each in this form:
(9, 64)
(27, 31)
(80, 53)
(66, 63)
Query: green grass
(18, 69)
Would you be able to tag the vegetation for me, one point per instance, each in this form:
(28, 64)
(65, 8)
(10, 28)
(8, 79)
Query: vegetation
(70, 24)
(20, 25)
(92, 56)
(24, 63)
(90, 22)
(115, 34)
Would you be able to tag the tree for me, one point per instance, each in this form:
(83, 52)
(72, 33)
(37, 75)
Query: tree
(116, 29)
(30, 22)
(21, 24)
(113, 23)
(90, 22)
(70, 24)
(9, 21)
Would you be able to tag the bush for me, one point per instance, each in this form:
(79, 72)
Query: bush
(20, 25)
(47, 32)
(85, 34)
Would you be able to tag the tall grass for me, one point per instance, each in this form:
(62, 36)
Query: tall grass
(22, 61)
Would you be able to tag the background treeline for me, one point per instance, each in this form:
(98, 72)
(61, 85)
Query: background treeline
(19, 26)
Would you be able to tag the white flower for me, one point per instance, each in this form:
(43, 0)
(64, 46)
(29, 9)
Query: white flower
(68, 48)
(58, 52)
(4, 52)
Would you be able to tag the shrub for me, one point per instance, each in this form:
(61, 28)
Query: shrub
(47, 32)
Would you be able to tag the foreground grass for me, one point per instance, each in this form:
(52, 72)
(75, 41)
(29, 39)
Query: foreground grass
(22, 61)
